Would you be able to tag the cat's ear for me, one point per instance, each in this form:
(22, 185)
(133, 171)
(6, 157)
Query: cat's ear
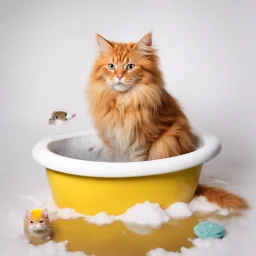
(145, 42)
(28, 213)
(45, 213)
(104, 45)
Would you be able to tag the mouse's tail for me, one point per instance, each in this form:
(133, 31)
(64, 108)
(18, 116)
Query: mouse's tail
(222, 198)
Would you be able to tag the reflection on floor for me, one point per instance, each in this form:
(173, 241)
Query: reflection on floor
(118, 239)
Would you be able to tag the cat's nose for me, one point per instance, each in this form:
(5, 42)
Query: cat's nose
(119, 76)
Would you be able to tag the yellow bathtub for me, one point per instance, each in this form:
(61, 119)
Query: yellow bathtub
(77, 180)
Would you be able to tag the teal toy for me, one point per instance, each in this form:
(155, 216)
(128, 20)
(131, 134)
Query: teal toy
(208, 229)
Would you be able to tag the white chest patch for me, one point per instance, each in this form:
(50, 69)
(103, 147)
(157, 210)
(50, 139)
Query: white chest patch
(120, 139)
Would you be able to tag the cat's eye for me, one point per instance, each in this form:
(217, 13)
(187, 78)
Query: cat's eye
(57, 117)
(130, 66)
(31, 221)
(111, 66)
(41, 221)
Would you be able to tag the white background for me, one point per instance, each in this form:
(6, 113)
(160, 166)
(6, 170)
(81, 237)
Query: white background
(207, 51)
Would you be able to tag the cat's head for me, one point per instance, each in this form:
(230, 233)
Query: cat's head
(37, 220)
(123, 66)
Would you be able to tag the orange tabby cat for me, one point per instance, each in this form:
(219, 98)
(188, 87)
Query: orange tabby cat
(134, 113)
(37, 226)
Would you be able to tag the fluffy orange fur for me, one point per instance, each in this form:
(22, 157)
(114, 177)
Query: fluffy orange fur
(222, 197)
(133, 111)
(142, 118)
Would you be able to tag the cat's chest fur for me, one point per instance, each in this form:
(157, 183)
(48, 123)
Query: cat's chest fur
(121, 119)
(120, 128)
(121, 125)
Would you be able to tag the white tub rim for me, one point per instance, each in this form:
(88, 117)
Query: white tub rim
(210, 147)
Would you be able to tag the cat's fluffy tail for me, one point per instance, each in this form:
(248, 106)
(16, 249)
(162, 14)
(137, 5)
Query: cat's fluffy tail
(222, 198)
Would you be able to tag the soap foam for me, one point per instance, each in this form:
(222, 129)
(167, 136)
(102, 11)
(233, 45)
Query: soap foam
(199, 249)
(51, 249)
(202, 205)
(161, 252)
(20, 246)
(146, 213)
(99, 219)
(179, 210)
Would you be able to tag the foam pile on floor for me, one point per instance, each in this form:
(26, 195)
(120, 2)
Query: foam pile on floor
(197, 250)
(147, 213)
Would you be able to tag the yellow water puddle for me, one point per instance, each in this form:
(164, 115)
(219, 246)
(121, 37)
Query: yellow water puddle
(118, 239)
